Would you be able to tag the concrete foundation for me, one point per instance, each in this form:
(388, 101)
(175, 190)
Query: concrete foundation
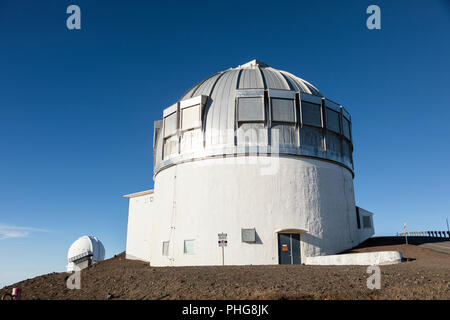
(364, 259)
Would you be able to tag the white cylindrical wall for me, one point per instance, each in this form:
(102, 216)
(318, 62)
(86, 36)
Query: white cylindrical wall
(199, 199)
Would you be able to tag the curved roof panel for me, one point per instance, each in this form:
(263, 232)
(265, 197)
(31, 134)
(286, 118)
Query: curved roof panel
(255, 75)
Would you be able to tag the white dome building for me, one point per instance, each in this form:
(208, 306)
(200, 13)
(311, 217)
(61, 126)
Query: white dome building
(257, 154)
(85, 251)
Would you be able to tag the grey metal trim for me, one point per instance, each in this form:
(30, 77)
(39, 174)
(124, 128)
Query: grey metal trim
(310, 98)
(157, 130)
(346, 114)
(333, 105)
(249, 93)
(283, 94)
(169, 110)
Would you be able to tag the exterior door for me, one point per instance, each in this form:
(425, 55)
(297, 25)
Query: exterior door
(289, 248)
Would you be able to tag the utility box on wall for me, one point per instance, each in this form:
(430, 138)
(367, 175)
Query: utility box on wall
(248, 235)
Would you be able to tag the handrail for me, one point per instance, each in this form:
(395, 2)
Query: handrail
(434, 234)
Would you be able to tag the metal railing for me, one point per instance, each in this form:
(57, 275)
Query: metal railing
(435, 234)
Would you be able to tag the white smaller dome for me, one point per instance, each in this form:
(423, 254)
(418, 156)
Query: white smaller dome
(83, 247)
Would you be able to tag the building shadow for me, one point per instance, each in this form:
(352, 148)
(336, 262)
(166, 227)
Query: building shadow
(397, 240)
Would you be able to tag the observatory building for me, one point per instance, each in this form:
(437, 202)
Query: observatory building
(255, 158)
(85, 251)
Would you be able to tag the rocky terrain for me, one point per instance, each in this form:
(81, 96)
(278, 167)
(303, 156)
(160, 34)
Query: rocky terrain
(425, 274)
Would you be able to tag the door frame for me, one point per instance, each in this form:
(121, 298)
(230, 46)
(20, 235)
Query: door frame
(298, 231)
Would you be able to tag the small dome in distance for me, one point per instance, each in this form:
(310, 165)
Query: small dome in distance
(85, 247)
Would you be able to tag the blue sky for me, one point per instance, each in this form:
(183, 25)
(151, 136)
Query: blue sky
(77, 107)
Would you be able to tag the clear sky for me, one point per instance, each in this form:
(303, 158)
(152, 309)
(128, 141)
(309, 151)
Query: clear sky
(77, 106)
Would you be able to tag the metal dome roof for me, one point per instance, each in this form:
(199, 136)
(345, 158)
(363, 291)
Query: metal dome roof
(86, 245)
(251, 75)
(207, 121)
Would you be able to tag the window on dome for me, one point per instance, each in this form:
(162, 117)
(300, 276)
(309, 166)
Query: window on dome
(333, 120)
(250, 109)
(170, 124)
(283, 110)
(311, 114)
(346, 128)
(190, 117)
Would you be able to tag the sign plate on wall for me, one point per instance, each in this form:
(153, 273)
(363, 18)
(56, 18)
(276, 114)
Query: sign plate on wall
(222, 236)
(222, 243)
(222, 239)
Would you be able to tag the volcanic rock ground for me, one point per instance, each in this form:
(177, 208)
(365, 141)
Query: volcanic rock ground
(424, 275)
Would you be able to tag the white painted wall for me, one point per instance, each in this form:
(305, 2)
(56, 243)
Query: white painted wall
(199, 199)
(139, 226)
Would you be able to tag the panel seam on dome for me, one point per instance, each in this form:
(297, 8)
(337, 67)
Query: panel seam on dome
(195, 87)
(232, 77)
(200, 84)
(218, 108)
(297, 87)
(315, 89)
(277, 72)
(275, 78)
(238, 79)
(208, 106)
(300, 82)
(262, 78)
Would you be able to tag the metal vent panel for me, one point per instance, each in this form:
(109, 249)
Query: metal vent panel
(248, 235)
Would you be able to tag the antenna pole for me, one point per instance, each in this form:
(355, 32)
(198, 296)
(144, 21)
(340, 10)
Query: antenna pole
(406, 233)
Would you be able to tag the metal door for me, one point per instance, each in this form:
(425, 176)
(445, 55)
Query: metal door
(289, 248)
